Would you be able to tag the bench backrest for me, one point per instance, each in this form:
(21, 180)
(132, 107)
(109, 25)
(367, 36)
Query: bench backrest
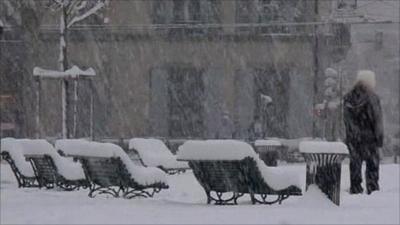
(135, 157)
(254, 177)
(44, 167)
(104, 171)
(221, 175)
(152, 152)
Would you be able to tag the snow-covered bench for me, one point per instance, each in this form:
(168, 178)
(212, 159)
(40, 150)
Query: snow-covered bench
(324, 166)
(12, 152)
(229, 167)
(50, 168)
(110, 170)
(153, 152)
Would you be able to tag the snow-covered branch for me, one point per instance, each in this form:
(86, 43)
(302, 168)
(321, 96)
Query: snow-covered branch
(75, 6)
(73, 72)
(99, 5)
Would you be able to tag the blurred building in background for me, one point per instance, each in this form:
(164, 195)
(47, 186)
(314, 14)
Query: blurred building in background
(172, 68)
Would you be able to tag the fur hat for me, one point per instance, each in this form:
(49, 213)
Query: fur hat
(367, 78)
(330, 72)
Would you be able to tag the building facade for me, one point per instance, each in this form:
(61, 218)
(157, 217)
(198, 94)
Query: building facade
(178, 68)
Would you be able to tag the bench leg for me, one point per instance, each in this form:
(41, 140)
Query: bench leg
(132, 193)
(263, 199)
(69, 185)
(209, 199)
(93, 191)
(66, 187)
(28, 182)
(221, 199)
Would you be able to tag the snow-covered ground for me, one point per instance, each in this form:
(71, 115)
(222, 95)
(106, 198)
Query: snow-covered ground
(184, 203)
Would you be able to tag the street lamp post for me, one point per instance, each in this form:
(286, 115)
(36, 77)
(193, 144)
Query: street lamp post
(1, 29)
(1, 38)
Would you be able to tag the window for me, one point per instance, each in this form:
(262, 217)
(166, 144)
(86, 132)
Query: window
(378, 40)
(271, 97)
(177, 101)
(346, 4)
(185, 97)
(161, 12)
(245, 11)
(211, 11)
(264, 12)
(342, 35)
(268, 11)
(186, 11)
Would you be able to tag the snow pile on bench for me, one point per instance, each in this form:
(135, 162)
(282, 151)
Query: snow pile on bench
(215, 150)
(277, 178)
(293, 144)
(142, 175)
(267, 143)
(72, 146)
(16, 152)
(154, 152)
(323, 147)
(66, 167)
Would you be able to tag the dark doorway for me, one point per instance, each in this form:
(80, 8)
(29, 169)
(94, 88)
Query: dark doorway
(185, 98)
(272, 100)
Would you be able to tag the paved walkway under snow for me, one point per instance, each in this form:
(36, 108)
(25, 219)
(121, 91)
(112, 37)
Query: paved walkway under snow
(185, 203)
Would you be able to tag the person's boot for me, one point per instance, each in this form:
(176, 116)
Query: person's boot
(356, 190)
(372, 189)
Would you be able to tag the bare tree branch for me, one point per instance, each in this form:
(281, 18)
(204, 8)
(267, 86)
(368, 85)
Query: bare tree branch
(73, 6)
(87, 13)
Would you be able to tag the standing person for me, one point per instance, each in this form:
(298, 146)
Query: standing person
(331, 105)
(364, 131)
(227, 127)
(255, 130)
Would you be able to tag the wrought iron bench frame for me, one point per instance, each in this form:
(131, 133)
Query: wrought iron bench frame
(223, 179)
(237, 177)
(23, 181)
(108, 175)
(47, 174)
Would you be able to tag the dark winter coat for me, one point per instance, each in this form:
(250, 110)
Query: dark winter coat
(363, 117)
